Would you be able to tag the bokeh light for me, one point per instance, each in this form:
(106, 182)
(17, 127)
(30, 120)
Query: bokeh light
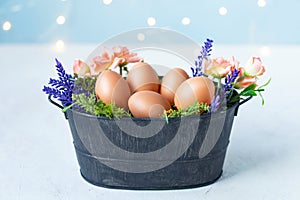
(65, 17)
(60, 45)
(261, 3)
(151, 21)
(60, 20)
(265, 51)
(186, 21)
(107, 2)
(223, 11)
(6, 26)
(141, 37)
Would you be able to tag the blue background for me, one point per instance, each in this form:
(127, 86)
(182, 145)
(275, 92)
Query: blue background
(91, 21)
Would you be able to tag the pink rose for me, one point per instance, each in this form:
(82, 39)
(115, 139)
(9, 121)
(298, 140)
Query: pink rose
(102, 62)
(234, 63)
(81, 68)
(244, 81)
(117, 57)
(254, 67)
(117, 62)
(123, 52)
(218, 67)
(120, 51)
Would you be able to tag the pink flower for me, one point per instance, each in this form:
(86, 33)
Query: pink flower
(218, 67)
(244, 81)
(123, 52)
(120, 51)
(81, 68)
(119, 56)
(234, 63)
(248, 74)
(254, 67)
(102, 62)
(117, 62)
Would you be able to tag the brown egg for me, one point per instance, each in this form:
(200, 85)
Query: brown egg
(142, 77)
(199, 89)
(171, 82)
(112, 88)
(147, 104)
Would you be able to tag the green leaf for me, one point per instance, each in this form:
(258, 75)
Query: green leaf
(234, 99)
(262, 99)
(87, 83)
(165, 115)
(249, 93)
(259, 90)
(264, 85)
(194, 109)
(250, 87)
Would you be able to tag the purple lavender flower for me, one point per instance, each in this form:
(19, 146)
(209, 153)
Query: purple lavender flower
(61, 88)
(215, 103)
(230, 80)
(204, 54)
(218, 100)
(224, 92)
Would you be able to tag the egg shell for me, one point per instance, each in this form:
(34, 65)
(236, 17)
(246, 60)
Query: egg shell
(112, 88)
(171, 81)
(199, 89)
(142, 77)
(147, 104)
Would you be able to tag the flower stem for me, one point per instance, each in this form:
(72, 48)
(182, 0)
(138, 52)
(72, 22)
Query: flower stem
(219, 83)
(121, 70)
(67, 107)
(230, 93)
(219, 87)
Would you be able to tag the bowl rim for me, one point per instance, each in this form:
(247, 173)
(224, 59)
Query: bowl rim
(202, 116)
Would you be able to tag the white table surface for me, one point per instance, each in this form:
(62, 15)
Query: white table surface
(38, 161)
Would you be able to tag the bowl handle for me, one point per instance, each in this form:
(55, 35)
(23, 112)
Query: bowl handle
(54, 103)
(245, 100)
(241, 103)
(57, 105)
